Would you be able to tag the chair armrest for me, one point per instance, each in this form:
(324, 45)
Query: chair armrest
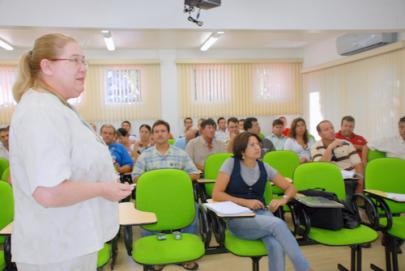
(301, 221)
(218, 226)
(380, 205)
(205, 229)
(365, 210)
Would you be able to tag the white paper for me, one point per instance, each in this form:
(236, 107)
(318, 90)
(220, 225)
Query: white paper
(346, 174)
(227, 208)
(395, 196)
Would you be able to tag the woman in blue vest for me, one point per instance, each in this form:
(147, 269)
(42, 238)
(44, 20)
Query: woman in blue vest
(242, 180)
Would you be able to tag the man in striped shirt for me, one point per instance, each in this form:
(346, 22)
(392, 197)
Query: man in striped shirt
(339, 152)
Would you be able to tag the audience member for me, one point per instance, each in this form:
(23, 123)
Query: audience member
(241, 124)
(346, 133)
(181, 142)
(145, 138)
(251, 125)
(188, 123)
(221, 133)
(299, 140)
(4, 148)
(392, 146)
(277, 137)
(233, 131)
(121, 158)
(242, 180)
(201, 147)
(128, 127)
(164, 155)
(286, 130)
(123, 138)
(337, 151)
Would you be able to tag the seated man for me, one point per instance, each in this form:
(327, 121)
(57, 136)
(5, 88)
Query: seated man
(201, 147)
(190, 134)
(392, 146)
(121, 158)
(4, 132)
(346, 133)
(233, 131)
(128, 127)
(221, 134)
(251, 125)
(164, 155)
(277, 137)
(339, 152)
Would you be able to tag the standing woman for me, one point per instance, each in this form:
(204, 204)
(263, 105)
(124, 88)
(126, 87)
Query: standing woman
(242, 180)
(299, 140)
(64, 183)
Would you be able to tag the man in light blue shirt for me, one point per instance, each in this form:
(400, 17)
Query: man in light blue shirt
(277, 136)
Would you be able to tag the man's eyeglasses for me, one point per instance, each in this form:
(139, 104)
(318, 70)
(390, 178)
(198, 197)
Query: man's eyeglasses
(76, 60)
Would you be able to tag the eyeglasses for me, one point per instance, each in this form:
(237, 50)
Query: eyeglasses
(76, 60)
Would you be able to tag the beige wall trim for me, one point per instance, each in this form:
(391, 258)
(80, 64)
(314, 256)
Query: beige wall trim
(378, 51)
(237, 61)
(123, 61)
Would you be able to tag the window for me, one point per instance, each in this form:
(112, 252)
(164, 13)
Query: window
(315, 113)
(123, 86)
(269, 82)
(8, 75)
(211, 83)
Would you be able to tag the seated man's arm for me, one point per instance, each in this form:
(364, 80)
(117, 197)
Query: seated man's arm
(327, 155)
(360, 182)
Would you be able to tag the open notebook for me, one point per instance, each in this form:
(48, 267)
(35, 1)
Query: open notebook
(228, 209)
(318, 202)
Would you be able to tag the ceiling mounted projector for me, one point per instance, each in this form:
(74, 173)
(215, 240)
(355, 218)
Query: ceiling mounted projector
(191, 5)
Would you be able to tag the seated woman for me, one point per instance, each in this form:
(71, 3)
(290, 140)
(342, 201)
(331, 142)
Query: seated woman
(145, 138)
(123, 138)
(299, 140)
(242, 180)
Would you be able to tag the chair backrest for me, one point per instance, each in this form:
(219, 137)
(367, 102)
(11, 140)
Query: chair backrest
(374, 154)
(322, 175)
(169, 194)
(268, 193)
(388, 175)
(285, 162)
(211, 168)
(4, 164)
(6, 206)
(5, 175)
(172, 141)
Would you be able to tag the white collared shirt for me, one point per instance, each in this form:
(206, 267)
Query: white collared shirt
(392, 146)
(59, 147)
(3, 151)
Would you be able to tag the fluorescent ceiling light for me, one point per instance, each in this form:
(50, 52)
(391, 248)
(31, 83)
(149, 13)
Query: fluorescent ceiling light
(211, 40)
(109, 42)
(5, 45)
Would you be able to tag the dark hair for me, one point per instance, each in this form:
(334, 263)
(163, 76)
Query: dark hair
(249, 123)
(348, 119)
(188, 118)
(108, 126)
(219, 119)
(241, 142)
(232, 119)
(207, 122)
(127, 122)
(145, 126)
(5, 129)
(122, 132)
(277, 122)
(318, 127)
(401, 120)
(161, 122)
(293, 129)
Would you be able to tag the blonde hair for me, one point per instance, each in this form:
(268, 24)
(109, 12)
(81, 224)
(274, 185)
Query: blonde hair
(46, 47)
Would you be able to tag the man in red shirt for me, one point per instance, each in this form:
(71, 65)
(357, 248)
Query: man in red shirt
(346, 133)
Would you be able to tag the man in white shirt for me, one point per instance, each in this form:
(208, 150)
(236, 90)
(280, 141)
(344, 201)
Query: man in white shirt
(277, 136)
(392, 146)
(4, 142)
(221, 134)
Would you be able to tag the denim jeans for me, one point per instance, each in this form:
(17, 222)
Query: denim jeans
(275, 235)
(192, 228)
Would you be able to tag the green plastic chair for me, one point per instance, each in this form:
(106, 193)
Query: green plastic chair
(6, 215)
(388, 175)
(172, 141)
(374, 154)
(211, 169)
(285, 162)
(104, 255)
(2, 261)
(4, 164)
(5, 175)
(322, 175)
(169, 194)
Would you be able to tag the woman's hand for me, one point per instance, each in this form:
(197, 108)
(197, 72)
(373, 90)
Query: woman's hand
(253, 204)
(276, 203)
(116, 191)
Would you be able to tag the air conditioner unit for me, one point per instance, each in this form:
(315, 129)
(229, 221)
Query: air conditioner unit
(203, 4)
(351, 44)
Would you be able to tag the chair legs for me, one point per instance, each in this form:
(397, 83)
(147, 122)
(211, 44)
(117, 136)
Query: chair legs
(355, 263)
(391, 254)
(255, 263)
